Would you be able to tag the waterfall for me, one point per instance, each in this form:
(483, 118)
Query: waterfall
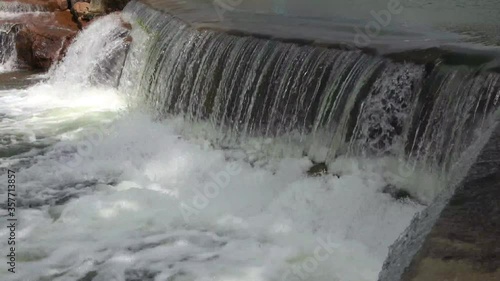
(105, 191)
(96, 55)
(7, 46)
(8, 31)
(348, 102)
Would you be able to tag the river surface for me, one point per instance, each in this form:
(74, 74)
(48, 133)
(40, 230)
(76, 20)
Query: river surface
(391, 24)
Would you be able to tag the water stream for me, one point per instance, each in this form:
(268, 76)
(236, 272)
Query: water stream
(183, 155)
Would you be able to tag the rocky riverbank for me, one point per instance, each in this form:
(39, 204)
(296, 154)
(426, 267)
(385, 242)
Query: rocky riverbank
(43, 36)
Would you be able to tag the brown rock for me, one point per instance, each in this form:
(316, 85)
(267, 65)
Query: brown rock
(81, 8)
(62, 4)
(38, 48)
(125, 24)
(43, 41)
(318, 169)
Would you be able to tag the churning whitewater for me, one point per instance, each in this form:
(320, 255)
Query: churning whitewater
(108, 194)
(109, 189)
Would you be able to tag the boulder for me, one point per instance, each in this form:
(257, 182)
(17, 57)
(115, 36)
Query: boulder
(38, 48)
(81, 8)
(42, 41)
(318, 169)
(62, 4)
(398, 193)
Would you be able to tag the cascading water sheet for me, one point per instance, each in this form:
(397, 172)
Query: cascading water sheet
(7, 46)
(330, 101)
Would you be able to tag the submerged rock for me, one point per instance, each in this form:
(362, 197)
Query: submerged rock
(81, 8)
(62, 4)
(397, 193)
(318, 169)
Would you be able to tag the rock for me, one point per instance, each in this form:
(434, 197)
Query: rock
(318, 169)
(397, 193)
(39, 49)
(62, 4)
(81, 8)
(97, 7)
(41, 42)
(127, 25)
(89, 16)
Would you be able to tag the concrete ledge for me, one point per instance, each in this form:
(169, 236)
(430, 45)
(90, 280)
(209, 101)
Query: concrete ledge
(458, 237)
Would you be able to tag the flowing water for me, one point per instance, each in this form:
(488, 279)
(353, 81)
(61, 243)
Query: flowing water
(183, 155)
(12, 10)
(7, 46)
(19, 7)
(348, 103)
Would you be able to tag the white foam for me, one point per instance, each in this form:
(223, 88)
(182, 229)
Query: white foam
(89, 53)
(8, 66)
(50, 110)
(7, 15)
(260, 226)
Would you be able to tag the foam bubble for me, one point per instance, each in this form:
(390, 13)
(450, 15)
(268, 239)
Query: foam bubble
(142, 206)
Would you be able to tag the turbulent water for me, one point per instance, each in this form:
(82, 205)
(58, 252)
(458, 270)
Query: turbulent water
(331, 102)
(190, 162)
